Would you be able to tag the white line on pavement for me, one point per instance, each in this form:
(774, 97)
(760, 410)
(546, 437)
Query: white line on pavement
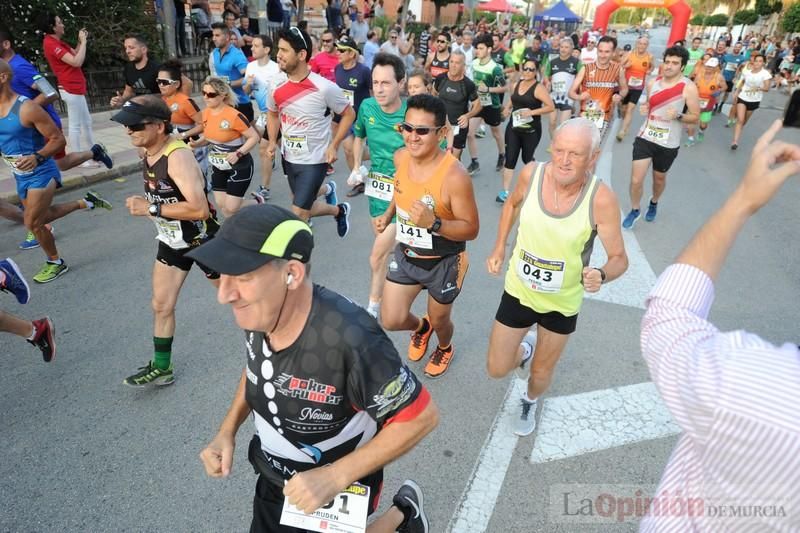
(477, 502)
(598, 420)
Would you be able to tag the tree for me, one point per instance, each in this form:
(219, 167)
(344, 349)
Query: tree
(697, 20)
(791, 19)
(720, 19)
(763, 8)
(745, 17)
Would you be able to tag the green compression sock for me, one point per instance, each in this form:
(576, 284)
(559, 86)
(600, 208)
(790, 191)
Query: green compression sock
(163, 352)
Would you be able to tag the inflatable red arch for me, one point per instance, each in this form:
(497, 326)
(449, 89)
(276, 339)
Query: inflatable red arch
(680, 10)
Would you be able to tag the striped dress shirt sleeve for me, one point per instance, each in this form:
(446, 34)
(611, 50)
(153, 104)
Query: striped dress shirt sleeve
(735, 397)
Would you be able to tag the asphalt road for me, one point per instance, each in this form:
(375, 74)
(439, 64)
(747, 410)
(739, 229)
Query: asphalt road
(85, 453)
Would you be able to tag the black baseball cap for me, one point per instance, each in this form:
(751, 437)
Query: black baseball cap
(136, 112)
(345, 41)
(254, 236)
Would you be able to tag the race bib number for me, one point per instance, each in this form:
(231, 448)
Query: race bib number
(485, 99)
(219, 160)
(751, 92)
(597, 117)
(456, 129)
(170, 233)
(11, 161)
(657, 130)
(351, 97)
(411, 235)
(346, 513)
(731, 67)
(636, 83)
(295, 144)
(541, 275)
(703, 104)
(559, 88)
(379, 186)
(517, 119)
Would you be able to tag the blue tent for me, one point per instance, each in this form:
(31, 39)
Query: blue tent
(558, 13)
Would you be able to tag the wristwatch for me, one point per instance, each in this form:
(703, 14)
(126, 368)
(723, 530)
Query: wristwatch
(39, 158)
(679, 116)
(239, 154)
(154, 210)
(602, 274)
(436, 226)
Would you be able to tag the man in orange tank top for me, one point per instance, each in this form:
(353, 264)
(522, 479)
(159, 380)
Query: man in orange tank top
(436, 215)
(637, 64)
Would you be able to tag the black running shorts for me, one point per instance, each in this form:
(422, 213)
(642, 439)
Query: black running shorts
(662, 157)
(491, 115)
(513, 314)
(443, 278)
(177, 258)
(305, 181)
(235, 181)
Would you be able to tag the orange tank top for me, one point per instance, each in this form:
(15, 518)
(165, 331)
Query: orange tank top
(637, 72)
(706, 88)
(602, 85)
(183, 109)
(225, 130)
(429, 192)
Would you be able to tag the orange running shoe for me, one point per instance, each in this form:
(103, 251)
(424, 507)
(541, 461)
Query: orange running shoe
(419, 341)
(440, 362)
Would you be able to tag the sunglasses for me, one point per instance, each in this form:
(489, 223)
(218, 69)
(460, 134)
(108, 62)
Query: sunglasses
(164, 82)
(296, 31)
(393, 37)
(138, 127)
(528, 69)
(327, 40)
(210, 95)
(441, 41)
(419, 130)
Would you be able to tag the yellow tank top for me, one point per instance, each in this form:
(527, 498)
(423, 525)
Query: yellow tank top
(545, 271)
(417, 241)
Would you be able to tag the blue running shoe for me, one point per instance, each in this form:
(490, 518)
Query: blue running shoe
(15, 282)
(343, 220)
(331, 197)
(502, 196)
(630, 220)
(652, 210)
(99, 153)
(29, 243)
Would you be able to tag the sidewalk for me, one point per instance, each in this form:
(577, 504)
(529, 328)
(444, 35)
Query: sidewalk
(110, 134)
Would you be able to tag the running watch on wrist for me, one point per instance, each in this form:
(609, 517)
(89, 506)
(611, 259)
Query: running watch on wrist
(39, 158)
(239, 154)
(437, 225)
(602, 274)
(154, 210)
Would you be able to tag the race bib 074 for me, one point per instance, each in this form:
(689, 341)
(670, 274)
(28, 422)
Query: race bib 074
(346, 513)
(295, 144)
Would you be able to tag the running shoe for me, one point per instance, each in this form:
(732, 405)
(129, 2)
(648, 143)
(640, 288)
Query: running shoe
(501, 160)
(97, 200)
(481, 133)
(734, 146)
(331, 197)
(99, 153)
(528, 345)
(262, 193)
(409, 501)
(15, 282)
(44, 338)
(355, 191)
(701, 137)
(730, 123)
(502, 196)
(439, 362)
(652, 210)
(257, 197)
(343, 220)
(149, 374)
(526, 422)
(620, 136)
(473, 167)
(51, 271)
(690, 142)
(630, 220)
(419, 342)
(30, 242)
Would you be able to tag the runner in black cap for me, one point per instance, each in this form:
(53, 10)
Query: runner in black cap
(331, 400)
(174, 197)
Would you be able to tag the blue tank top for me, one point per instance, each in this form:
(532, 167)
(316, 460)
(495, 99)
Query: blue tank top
(17, 140)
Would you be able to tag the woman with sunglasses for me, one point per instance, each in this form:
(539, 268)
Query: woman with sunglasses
(185, 112)
(230, 138)
(529, 101)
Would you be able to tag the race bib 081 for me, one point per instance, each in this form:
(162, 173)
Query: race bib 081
(379, 186)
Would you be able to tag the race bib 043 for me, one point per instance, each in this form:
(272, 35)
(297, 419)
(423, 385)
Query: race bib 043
(346, 513)
(542, 275)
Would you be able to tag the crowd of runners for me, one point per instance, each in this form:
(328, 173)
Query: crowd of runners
(411, 123)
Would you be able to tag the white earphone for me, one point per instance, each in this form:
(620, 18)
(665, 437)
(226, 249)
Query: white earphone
(289, 279)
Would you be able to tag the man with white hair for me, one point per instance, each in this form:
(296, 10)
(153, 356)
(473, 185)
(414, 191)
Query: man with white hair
(589, 53)
(549, 270)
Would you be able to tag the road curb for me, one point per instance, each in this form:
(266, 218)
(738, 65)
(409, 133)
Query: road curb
(77, 182)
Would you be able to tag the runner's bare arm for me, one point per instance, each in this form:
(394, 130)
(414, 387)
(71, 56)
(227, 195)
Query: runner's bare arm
(623, 85)
(34, 116)
(692, 115)
(252, 139)
(575, 91)
(186, 173)
(217, 457)
(348, 117)
(508, 217)
(273, 127)
(358, 151)
(457, 191)
(607, 218)
(543, 95)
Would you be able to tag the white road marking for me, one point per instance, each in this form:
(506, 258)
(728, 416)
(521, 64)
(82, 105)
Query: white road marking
(477, 502)
(598, 420)
(632, 288)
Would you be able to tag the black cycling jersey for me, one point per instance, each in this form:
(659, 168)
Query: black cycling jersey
(456, 95)
(159, 188)
(329, 392)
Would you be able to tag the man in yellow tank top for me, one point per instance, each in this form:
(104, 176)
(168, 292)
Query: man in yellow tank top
(436, 215)
(561, 207)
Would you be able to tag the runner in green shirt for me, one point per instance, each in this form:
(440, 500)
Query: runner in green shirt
(377, 122)
(491, 82)
(695, 54)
